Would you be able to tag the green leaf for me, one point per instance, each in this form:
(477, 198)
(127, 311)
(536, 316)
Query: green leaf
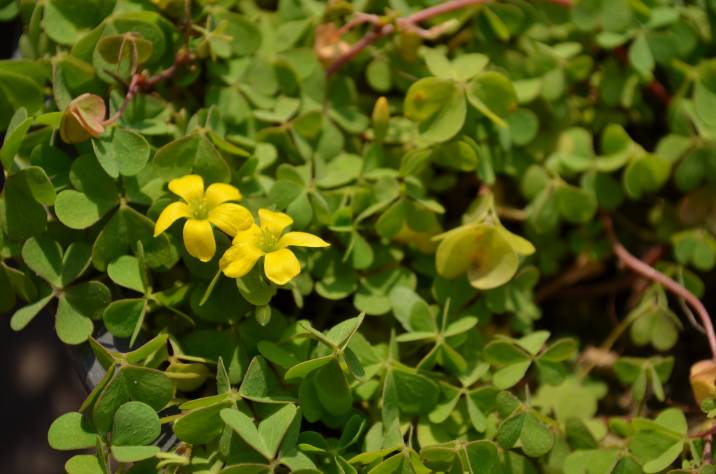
(121, 152)
(533, 342)
(391, 221)
(84, 464)
(504, 352)
(44, 257)
(332, 389)
(696, 247)
(255, 289)
(493, 95)
(560, 350)
(245, 427)
(509, 375)
(75, 262)
(416, 393)
(665, 460)
(135, 424)
(121, 234)
(117, 48)
(76, 309)
(493, 263)
(125, 271)
(340, 171)
(509, 430)
(147, 385)
(202, 425)
(576, 205)
(65, 20)
(482, 457)
(477, 417)
(535, 437)
(25, 193)
(645, 174)
(78, 211)
(351, 431)
(260, 384)
(130, 383)
(411, 311)
(17, 90)
(438, 107)
(121, 317)
(304, 368)
(71, 431)
(273, 428)
(24, 315)
(640, 56)
(134, 453)
(192, 153)
(19, 125)
(524, 125)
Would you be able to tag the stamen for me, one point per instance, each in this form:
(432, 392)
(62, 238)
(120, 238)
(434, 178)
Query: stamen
(269, 240)
(199, 208)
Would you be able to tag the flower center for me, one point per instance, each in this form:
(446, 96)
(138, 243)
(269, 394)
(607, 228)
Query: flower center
(268, 240)
(199, 208)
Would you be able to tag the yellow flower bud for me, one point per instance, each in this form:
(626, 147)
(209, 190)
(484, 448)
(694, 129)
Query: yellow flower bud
(381, 117)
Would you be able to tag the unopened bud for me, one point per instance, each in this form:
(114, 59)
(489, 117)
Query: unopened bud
(381, 117)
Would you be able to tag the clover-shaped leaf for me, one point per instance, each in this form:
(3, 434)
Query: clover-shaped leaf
(658, 443)
(641, 373)
(77, 304)
(438, 107)
(267, 438)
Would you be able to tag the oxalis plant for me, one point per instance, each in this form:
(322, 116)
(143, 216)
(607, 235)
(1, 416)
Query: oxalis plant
(375, 236)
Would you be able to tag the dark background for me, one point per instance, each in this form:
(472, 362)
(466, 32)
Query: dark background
(37, 380)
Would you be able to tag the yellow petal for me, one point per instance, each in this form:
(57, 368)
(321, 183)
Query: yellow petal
(302, 239)
(199, 239)
(274, 221)
(239, 259)
(218, 193)
(231, 218)
(281, 266)
(188, 187)
(171, 213)
(252, 236)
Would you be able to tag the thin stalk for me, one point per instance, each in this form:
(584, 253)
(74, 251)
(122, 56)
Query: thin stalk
(651, 273)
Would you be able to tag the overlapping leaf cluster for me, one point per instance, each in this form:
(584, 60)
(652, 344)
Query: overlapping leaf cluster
(453, 169)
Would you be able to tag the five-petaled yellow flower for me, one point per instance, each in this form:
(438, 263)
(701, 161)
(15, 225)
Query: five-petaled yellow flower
(201, 209)
(268, 239)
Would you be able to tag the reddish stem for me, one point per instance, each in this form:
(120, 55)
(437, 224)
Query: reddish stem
(141, 83)
(381, 31)
(647, 271)
(370, 38)
(406, 22)
(436, 10)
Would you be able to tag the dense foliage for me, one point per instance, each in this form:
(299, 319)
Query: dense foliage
(369, 235)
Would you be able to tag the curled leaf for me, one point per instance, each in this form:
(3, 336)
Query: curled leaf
(83, 119)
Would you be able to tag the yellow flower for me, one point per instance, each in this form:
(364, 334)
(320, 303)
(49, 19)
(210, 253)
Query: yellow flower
(201, 209)
(280, 264)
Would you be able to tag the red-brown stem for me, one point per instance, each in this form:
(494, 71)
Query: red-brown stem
(381, 31)
(647, 271)
(131, 92)
(141, 83)
(370, 38)
(359, 19)
(436, 10)
(411, 20)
